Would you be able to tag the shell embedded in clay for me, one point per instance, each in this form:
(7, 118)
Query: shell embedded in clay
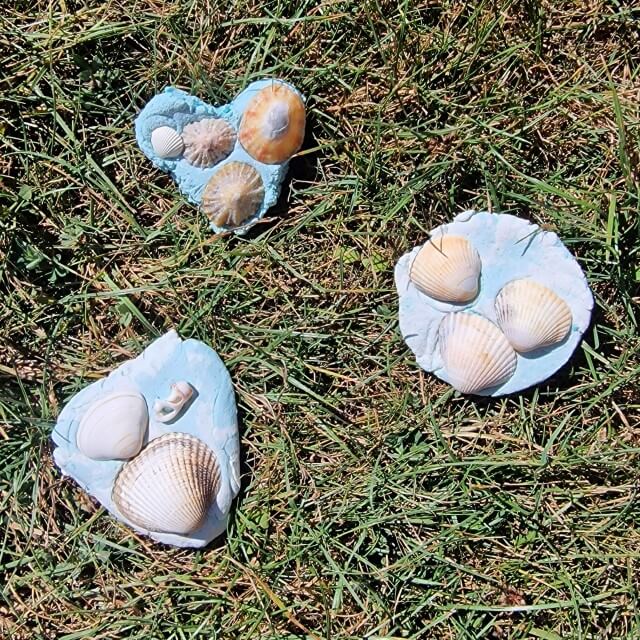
(169, 409)
(531, 315)
(447, 268)
(170, 486)
(167, 142)
(272, 127)
(208, 141)
(475, 353)
(114, 426)
(233, 194)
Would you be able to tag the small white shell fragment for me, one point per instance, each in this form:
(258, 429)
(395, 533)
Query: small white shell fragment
(447, 268)
(208, 141)
(169, 409)
(475, 353)
(114, 426)
(531, 315)
(170, 486)
(167, 142)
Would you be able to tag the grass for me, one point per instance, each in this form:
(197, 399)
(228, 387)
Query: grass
(376, 503)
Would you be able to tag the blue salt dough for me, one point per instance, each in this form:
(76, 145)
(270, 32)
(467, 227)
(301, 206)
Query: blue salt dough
(175, 108)
(210, 416)
(510, 248)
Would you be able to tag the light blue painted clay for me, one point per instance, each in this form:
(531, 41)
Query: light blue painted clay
(510, 248)
(175, 108)
(210, 416)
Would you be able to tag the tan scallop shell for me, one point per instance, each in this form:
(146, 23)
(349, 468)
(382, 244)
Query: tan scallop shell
(233, 193)
(447, 268)
(272, 127)
(208, 141)
(170, 486)
(531, 315)
(475, 353)
(114, 426)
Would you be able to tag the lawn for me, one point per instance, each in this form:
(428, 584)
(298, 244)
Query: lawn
(376, 502)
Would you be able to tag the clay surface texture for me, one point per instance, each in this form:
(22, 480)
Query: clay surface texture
(510, 249)
(207, 417)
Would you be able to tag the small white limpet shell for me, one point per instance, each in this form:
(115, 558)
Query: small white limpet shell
(170, 486)
(169, 409)
(475, 353)
(208, 141)
(531, 315)
(114, 426)
(167, 142)
(447, 268)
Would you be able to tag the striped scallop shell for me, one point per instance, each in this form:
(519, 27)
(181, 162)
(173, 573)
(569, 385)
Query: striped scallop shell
(170, 486)
(447, 268)
(475, 353)
(167, 142)
(234, 193)
(208, 141)
(272, 127)
(531, 315)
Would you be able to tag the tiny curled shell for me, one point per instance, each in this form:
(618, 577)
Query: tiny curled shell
(475, 353)
(170, 486)
(531, 315)
(208, 141)
(170, 408)
(167, 142)
(447, 268)
(273, 124)
(114, 426)
(233, 194)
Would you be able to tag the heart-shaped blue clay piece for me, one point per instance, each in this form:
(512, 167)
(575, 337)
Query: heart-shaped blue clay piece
(176, 109)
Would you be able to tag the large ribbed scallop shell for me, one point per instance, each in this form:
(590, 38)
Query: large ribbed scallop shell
(207, 142)
(114, 426)
(272, 127)
(170, 486)
(234, 193)
(447, 268)
(531, 315)
(475, 353)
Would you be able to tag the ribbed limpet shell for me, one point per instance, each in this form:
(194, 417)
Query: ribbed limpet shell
(233, 194)
(208, 141)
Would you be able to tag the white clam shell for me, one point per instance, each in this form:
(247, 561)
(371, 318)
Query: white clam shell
(170, 486)
(169, 409)
(207, 142)
(447, 268)
(531, 315)
(475, 353)
(167, 142)
(113, 428)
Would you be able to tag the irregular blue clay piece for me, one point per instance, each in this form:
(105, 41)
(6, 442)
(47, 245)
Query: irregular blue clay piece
(210, 416)
(510, 248)
(175, 108)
